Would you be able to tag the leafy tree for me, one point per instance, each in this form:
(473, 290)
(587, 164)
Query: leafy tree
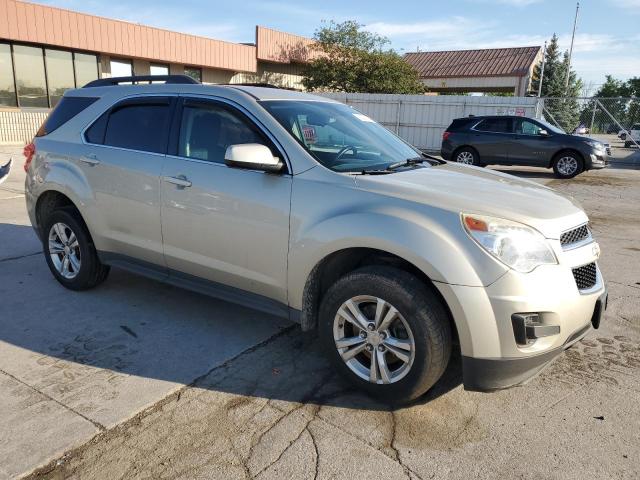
(350, 59)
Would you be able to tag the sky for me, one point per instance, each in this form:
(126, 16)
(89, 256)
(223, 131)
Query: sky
(607, 38)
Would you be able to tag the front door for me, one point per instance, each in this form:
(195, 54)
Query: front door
(223, 224)
(491, 137)
(530, 147)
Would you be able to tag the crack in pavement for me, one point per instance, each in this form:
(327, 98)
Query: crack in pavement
(7, 259)
(98, 425)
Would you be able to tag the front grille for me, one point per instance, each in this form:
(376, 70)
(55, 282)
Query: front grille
(585, 276)
(574, 236)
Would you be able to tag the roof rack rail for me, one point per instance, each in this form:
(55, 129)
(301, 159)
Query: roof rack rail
(167, 79)
(258, 84)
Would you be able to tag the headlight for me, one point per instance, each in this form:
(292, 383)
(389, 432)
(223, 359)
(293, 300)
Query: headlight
(596, 145)
(514, 244)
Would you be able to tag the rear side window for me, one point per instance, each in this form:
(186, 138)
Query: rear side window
(495, 125)
(139, 124)
(459, 123)
(67, 108)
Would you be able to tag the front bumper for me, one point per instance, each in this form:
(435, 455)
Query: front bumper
(489, 374)
(492, 357)
(599, 160)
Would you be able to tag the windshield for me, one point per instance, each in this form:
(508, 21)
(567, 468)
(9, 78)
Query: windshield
(551, 128)
(339, 137)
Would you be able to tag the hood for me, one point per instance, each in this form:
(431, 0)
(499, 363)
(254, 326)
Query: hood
(465, 189)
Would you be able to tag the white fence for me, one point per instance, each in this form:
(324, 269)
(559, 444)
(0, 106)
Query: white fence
(421, 119)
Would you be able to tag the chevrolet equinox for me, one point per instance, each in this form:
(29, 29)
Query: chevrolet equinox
(303, 207)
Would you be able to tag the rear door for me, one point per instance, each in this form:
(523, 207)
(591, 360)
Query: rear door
(122, 158)
(223, 224)
(529, 147)
(491, 137)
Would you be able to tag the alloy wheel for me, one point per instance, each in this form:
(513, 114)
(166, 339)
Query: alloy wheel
(465, 157)
(567, 166)
(64, 250)
(373, 339)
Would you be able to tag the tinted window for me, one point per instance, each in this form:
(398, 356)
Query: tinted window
(86, 68)
(7, 88)
(32, 88)
(59, 73)
(207, 130)
(138, 125)
(496, 125)
(194, 73)
(67, 108)
(525, 127)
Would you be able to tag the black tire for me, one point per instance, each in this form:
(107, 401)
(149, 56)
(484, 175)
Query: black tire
(627, 144)
(91, 271)
(467, 156)
(561, 172)
(422, 311)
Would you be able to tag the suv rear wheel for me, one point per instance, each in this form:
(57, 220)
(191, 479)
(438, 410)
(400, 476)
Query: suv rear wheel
(386, 331)
(70, 253)
(467, 156)
(567, 165)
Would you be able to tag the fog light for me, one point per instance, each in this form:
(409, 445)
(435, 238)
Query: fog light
(527, 327)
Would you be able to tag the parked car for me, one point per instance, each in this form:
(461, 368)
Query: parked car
(507, 140)
(612, 129)
(581, 130)
(303, 207)
(632, 136)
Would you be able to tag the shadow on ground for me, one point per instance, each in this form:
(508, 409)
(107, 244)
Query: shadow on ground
(134, 326)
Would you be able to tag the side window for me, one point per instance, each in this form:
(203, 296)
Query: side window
(526, 127)
(495, 125)
(137, 124)
(207, 129)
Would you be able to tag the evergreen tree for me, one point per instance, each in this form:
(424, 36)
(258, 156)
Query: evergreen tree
(551, 64)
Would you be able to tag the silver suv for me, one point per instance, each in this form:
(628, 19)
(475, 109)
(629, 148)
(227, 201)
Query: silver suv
(303, 207)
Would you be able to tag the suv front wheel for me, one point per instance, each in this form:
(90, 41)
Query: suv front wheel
(567, 165)
(386, 331)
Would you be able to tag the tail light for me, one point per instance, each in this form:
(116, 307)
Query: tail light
(445, 135)
(28, 152)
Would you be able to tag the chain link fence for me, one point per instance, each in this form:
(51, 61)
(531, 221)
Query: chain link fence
(619, 116)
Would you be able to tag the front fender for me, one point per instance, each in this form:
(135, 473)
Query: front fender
(431, 239)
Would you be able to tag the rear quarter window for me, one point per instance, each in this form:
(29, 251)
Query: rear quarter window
(67, 108)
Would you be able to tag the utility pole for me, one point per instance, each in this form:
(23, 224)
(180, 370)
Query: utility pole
(544, 57)
(575, 22)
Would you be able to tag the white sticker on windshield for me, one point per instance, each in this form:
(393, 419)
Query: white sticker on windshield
(362, 117)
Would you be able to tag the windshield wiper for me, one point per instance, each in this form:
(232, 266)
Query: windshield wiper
(407, 163)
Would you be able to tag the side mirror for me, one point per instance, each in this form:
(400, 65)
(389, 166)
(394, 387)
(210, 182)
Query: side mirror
(252, 156)
(543, 132)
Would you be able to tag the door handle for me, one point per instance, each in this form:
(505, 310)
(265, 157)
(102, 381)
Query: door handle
(90, 159)
(180, 181)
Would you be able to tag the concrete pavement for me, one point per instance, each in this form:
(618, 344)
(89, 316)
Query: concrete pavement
(139, 380)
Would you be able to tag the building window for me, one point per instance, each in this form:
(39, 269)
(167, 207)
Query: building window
(86, 68)
(193, 72)
(59, 74)
(7, 86)
(30, 77)
(121, 68)
(159, 69)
